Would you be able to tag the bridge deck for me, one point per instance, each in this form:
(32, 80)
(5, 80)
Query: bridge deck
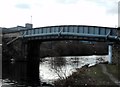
(70, 32)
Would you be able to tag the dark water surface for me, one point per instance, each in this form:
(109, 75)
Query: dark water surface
(15, 73)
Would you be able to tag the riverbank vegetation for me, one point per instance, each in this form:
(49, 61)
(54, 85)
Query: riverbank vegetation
(72, 48)
(90, 77)
(114, 69)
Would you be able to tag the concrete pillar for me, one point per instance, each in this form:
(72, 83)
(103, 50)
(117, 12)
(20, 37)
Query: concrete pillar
(33, 49)
(110, 54)
(25, 49)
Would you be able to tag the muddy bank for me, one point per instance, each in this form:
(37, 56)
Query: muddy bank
(92, 76)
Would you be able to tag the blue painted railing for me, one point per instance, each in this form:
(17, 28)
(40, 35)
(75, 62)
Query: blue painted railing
(70, 30)
(73, 29)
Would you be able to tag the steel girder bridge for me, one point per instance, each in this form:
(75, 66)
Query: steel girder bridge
(69, 32)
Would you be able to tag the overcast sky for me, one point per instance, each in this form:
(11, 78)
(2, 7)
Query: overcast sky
(59, 12)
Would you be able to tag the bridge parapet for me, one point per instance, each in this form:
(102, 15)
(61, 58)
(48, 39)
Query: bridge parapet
(74, 31)
(78, 32)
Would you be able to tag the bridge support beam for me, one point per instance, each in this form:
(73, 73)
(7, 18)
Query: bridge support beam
(33, 49)
(110, 53)
(24, 49)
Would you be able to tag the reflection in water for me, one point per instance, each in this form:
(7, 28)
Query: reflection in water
(14, 73)
(21, 73)
(33, 73)
(50, 69)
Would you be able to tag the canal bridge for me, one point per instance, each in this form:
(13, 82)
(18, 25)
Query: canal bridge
(65, 32)
(32, 37)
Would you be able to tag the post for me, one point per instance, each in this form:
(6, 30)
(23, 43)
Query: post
(24, 50)
(33, 49)
(110, 54)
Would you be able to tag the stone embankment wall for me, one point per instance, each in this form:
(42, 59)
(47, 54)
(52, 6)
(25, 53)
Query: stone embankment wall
(116, 53)
(116, 50)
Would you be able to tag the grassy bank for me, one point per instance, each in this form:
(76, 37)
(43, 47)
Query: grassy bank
(114, 70)
(85, 76)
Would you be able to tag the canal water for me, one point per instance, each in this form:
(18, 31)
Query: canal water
(50, 69)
